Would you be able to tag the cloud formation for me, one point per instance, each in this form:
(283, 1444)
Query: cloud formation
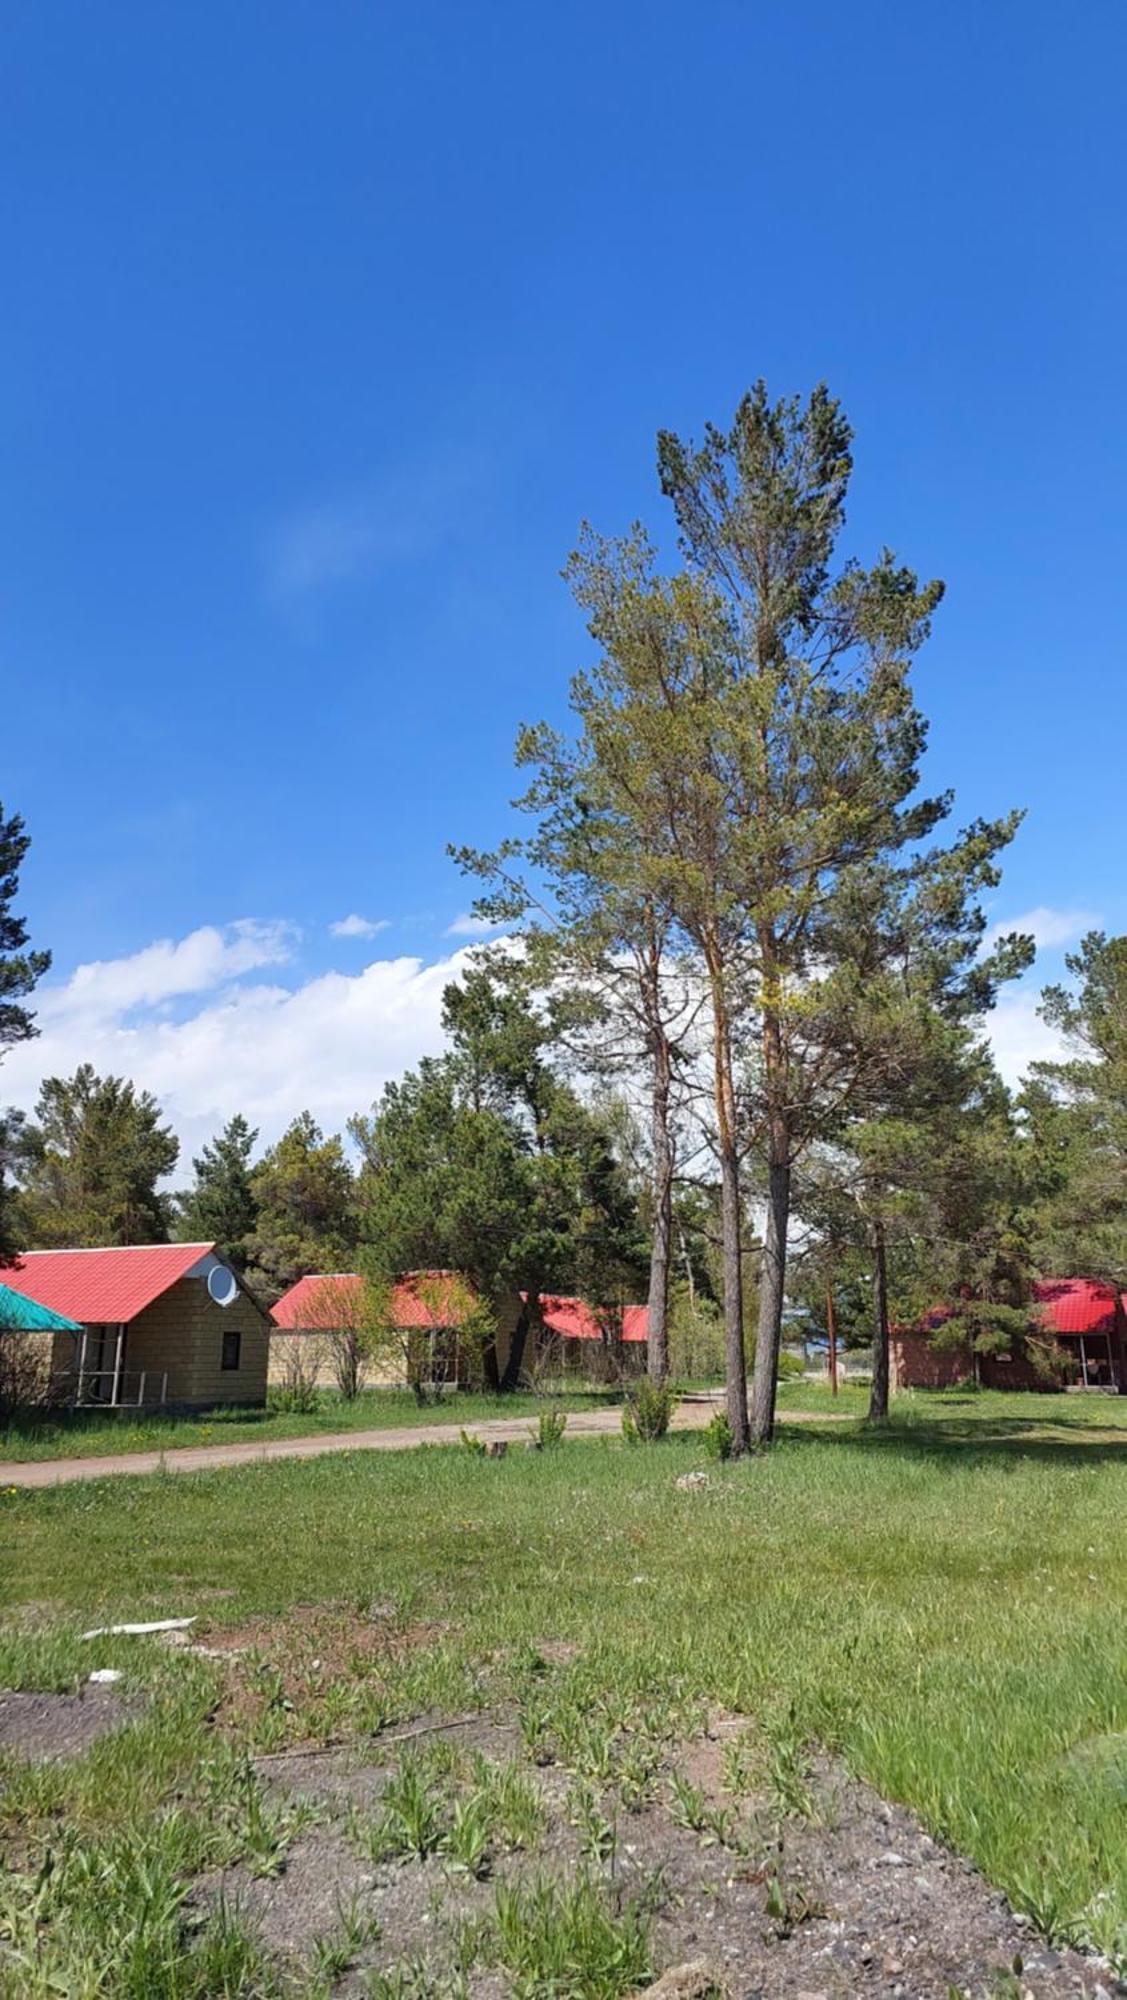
(466, 925)
(359, 927)
(260, 1047)
(1048, 928)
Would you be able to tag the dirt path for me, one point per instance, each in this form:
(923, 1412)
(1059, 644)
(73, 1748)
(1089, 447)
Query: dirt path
(691, 1415)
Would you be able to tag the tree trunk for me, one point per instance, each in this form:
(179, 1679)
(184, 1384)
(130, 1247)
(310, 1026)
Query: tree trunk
(657, 1353)
(510, 1379)
(878, 1395)
(730, 1219)
(773, 1271)
(769, 1326)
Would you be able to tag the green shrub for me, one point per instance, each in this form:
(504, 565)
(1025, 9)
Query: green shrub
(790, 1366)
(549, 1429)
(718, 1439)
(648, 1409)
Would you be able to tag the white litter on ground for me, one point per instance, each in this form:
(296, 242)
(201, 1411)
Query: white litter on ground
(105, 1676)
(152, 1625)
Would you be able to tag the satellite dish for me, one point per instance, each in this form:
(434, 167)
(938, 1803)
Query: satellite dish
(222, 1285)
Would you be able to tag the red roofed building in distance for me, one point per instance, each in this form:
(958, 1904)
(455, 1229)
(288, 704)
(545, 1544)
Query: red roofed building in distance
(1086, 1317)
(157, 1323)
(434, 1304)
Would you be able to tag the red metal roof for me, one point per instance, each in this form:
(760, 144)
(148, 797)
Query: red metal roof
(573, 1319)
(100, 1287)
(1077, 1305)
(428, 1300)
(636, 1323)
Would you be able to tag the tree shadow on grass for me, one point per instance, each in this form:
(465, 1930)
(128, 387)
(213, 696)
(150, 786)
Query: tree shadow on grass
(973, 1439)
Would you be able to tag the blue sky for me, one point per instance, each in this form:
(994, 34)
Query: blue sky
(323, 328)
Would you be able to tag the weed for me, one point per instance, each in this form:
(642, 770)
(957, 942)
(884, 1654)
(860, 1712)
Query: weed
(467, 1842)
(411, 1821)
(717, 1438)
(570, 1942)
(509, 1801)
(637, 1771)
(598, 1835)
(548, 1430)
(336, 1952)
(688, 1806)
(647, 1411)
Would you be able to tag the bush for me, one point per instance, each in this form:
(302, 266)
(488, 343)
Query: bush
(549, 1429)
(791, 1366)
(718, 1439)
(649, 1407)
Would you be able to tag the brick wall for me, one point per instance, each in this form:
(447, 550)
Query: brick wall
(181, 1334)
(917, 1364)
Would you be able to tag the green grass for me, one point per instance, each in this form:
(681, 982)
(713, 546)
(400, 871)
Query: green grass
(942, 1600)
(82, 1433)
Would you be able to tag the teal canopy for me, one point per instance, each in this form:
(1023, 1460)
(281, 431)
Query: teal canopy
(20, 1315)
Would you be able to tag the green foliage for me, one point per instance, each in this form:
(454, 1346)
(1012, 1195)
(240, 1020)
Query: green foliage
(1075, 1115)
(220, 1206)
(549, 1429)
(20, 972)
(570, 1941)
(647, 1411)
(303, 1188)
(90, 1161)
(484, 1162)
(718, 1439)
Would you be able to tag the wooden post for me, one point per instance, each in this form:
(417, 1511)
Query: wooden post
(81, 1368)
(831, 1330)
(117, 1364)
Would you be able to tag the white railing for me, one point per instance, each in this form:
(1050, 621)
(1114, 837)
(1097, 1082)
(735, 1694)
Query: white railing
(111, 1389)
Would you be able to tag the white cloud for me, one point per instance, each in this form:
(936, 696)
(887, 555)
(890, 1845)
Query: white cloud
(359, 927)
(1048, 928)
(267, 1050)
(466, 925)
(398, 517)
(1018, 1036)
(199, 963)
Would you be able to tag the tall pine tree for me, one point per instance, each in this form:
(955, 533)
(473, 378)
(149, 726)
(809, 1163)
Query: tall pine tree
(20, 970)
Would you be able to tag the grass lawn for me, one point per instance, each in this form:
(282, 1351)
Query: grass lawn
(82, 1433)
(942, 1602)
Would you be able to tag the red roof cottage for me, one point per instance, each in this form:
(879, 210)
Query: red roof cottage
(155, 1323)
(1086, 1317)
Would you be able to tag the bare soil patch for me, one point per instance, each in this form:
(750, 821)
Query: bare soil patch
(310, 1646)
(850, 1897)
(45, 1727)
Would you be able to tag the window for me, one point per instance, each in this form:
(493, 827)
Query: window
(231, 1345)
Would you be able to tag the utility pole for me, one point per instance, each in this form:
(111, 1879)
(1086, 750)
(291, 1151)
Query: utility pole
(831, 1329)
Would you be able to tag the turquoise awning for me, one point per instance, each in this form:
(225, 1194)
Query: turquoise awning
(20, 1315)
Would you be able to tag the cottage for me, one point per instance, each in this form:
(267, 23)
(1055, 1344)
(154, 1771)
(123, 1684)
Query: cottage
(572, 1335)
(151, 1324)
(428, 1315)
(1087, 1319)
(427, 1322)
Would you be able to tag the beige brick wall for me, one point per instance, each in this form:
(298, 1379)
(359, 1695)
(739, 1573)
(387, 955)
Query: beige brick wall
(181, 1333)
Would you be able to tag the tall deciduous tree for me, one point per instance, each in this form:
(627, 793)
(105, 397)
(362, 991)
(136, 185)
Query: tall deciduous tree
(20, 970)
(220, 1206)
(306, 1220)
(92, 1158)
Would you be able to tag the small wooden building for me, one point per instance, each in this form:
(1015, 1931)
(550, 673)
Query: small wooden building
(1086, 1317)
(156, 1324)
